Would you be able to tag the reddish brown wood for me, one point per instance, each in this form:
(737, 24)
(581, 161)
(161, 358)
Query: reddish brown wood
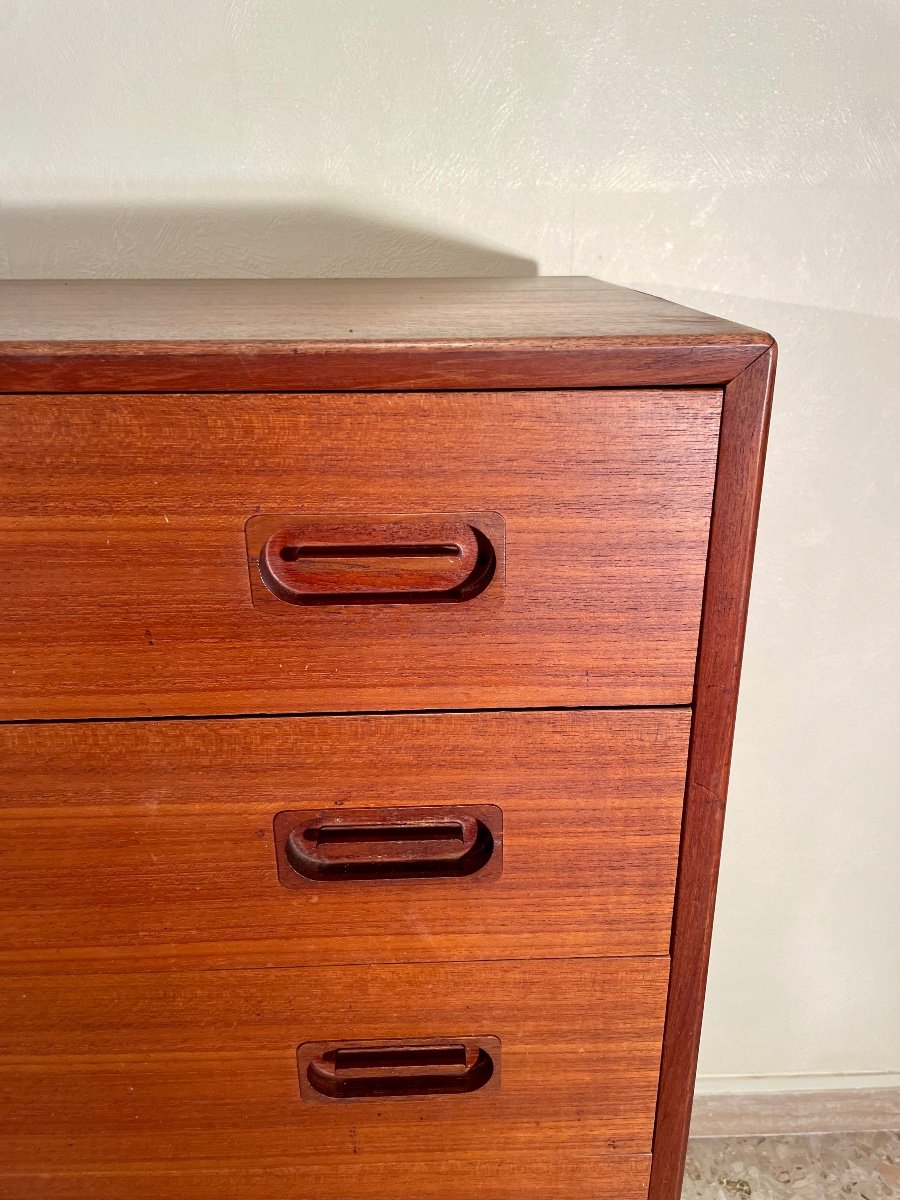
(341, 845)
(652, 362)
(131, 596)
(374, 559)
(124, 515)
(155, 839)
(147, 1072)
(526, 1177)
(350, 1072)
(745, 421)
(290, 335)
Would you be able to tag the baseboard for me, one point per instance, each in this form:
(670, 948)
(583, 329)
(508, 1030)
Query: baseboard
(828, 1110)
(806, 1081)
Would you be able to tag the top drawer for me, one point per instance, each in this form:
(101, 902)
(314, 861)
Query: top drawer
(131, 527)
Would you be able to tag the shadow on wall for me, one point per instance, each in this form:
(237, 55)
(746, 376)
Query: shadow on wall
(233, 241)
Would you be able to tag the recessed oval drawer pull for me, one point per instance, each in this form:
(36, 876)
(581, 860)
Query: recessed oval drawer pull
(371, 560)
(361, 1071)
(389, 843)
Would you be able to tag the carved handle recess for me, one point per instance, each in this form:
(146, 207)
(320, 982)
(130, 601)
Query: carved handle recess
(386, 843)
(372, 1070)
(369, 560)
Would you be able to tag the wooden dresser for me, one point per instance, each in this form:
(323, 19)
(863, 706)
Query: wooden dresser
(369, 661)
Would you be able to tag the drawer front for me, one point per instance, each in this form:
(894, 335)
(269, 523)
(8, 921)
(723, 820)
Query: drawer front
(157, 1073)
(157, 840)
(206, 555)
(618, 1177)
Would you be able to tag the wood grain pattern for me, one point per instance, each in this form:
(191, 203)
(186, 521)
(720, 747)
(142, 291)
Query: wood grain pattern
(339, 1073)
(339, 310)
(339, 845)
(198, 1070)
(220, 335)
(147, 846)
(125, 517)
(155, 839)
(486, 1178)
(745, 422)
(446, 558)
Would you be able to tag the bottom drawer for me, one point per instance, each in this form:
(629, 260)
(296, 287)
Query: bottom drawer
(188, 1083)
(614, 1178)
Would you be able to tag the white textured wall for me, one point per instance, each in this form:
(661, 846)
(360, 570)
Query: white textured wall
(735, 156)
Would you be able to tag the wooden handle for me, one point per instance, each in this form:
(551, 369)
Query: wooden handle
(371, 560)
(391, 843)
(361, 1071)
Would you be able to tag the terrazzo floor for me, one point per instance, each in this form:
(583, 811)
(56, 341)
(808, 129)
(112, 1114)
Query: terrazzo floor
(831, 1166)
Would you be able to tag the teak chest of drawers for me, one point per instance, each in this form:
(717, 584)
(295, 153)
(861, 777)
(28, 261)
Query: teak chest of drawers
(370, 655)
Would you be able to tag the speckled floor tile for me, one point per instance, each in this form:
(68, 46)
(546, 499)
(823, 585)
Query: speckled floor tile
(833, 1166)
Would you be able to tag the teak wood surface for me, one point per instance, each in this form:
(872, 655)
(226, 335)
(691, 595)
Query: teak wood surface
(131, 593)
(199, 1069)
(450, 1178)
(311, 560)
(745, 426)
(92, 1120)
(156, 839)
(335, 334)
(379, 845)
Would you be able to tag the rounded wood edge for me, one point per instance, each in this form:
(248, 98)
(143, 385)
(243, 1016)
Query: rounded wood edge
(658, 361)
(742, 447)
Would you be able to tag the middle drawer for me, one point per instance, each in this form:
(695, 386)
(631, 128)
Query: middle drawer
(151, 845)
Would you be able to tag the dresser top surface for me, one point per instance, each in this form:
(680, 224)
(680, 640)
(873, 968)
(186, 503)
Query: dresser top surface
(346, 310)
